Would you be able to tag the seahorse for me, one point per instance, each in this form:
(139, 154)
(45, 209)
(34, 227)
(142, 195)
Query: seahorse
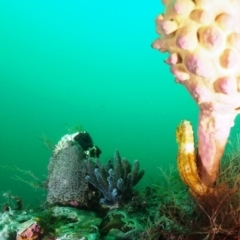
(186, 160)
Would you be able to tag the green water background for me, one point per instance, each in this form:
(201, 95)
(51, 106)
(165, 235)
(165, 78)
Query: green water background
(90, 63)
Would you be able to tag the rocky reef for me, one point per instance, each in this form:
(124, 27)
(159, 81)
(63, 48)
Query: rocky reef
(161, 211)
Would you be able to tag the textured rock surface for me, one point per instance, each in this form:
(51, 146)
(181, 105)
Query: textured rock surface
(62, 223)
(203, 41)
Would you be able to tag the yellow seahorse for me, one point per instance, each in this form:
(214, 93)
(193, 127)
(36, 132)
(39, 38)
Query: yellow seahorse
(186, 160)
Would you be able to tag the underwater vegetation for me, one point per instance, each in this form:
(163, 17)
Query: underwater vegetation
(72, 208)
(162, 211)
(213, 216)
(202, 39)
(76, 174)
(200, 199)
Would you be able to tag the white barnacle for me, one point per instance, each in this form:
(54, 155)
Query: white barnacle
(188, 147)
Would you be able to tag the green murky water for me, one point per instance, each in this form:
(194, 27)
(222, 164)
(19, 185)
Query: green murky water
(65, 63)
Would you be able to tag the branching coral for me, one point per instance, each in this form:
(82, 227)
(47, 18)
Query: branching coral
(203, 41)
(115, 180)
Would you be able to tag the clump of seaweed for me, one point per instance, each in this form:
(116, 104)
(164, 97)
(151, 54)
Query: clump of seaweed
(75, 128)
(50, 143)
(175, 208)
(213, 216)
(47, 142)
(33, 181)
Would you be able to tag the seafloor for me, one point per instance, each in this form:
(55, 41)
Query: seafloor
(157, 212)
(162, 210)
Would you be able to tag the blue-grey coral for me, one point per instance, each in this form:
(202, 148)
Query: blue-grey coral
(66, 177)
(115, 180)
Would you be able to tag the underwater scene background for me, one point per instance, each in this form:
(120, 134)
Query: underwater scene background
(89, 63)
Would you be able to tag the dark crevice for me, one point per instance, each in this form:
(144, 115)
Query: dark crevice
(198, 36)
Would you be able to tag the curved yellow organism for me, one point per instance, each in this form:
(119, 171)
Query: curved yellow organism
(186, 160)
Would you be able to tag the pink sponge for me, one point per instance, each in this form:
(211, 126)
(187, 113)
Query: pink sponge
(203, 41)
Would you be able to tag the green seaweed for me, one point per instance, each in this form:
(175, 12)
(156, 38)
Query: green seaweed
(214, 216)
